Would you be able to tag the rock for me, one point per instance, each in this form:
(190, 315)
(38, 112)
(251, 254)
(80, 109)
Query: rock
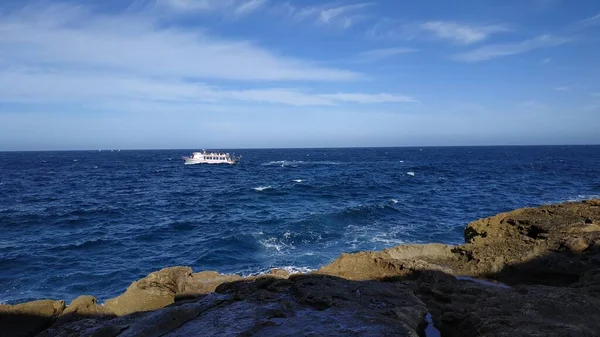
(396, 262)
(277, 272)
(550, 245)
(382, 293)
(84, 307)
(473, 309)
(205, 282)
(302, 305)
(28, 319)
(164, 287)
(154, 291)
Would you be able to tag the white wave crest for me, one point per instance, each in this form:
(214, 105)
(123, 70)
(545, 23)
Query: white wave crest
(582, 197)
(295, 269)
(277, 244)
(296, 163)
(412, 174)
(298, 180)
(394, 201)
(289, 269)
(386, 239)
(262, 188)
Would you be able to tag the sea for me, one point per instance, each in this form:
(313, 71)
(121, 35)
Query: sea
(92, 222)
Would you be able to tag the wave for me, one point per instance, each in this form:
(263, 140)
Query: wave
(298, 180)
(83, 245)
(273, 243)
(582, 197)
(262, 188)
(296, 163)
(289, 269)
(412, 174)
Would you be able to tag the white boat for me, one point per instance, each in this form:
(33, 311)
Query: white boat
(210, 158)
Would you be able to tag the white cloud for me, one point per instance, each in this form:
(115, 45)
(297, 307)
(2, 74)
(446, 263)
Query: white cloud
(591, 21)
(461, 33)
(383, 53)
(501, 50)
(564, 88)
(235, 7)
(249, 7)
(194, 5)
(329, 14)
(67, 55)
(139, 44)
(93, 88)
(366, 98)
(454, 32)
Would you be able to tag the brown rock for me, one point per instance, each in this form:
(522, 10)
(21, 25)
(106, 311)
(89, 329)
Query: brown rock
(84, 307)
(155, 291)
(206, 282)
(277, 272)
(394, 262)
(29, 318)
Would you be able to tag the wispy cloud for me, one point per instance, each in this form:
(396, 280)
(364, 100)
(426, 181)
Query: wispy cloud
(195, 5)
(34, 86)
(450, 31)
(383, 53)
(249, 7)
(588, 22)
(226, 7)
(563, 88)
(138, 44)
(329, 14)
(369, 98)
(461, 33)
(70, 56)
(501, 50)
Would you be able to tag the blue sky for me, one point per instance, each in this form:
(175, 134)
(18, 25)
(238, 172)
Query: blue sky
(264, 73)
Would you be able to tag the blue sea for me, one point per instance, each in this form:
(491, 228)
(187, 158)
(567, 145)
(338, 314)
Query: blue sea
(91, 222)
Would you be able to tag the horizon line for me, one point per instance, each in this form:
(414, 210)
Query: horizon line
(298, 148)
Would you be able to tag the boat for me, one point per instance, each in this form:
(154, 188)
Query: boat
(210, 158)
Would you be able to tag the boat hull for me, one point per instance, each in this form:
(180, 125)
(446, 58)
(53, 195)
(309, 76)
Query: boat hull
(195, 161)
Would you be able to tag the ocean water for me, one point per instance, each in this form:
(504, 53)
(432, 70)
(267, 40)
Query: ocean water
(92, 222)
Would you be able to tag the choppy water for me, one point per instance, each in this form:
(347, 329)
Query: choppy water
(75, 223)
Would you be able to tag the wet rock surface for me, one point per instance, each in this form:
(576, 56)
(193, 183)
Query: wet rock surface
(529, 272)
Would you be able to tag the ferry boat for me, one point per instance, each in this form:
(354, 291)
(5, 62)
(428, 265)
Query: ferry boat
(210, 158)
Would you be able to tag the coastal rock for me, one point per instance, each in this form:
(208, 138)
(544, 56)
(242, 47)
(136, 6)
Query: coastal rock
(552, 244)
(303, 305)
(204, 282)
(154, 291)
(466, 308)
(84, 307)
(548, 258)
(396, 262)
(28, 319)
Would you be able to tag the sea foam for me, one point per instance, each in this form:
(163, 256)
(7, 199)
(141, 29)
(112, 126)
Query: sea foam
(262, 188)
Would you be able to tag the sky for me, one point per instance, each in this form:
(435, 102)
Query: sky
(158, 74)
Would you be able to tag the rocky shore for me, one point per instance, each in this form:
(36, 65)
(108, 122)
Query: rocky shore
(529, 272)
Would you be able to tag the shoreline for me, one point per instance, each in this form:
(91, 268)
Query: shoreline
(530, 256)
